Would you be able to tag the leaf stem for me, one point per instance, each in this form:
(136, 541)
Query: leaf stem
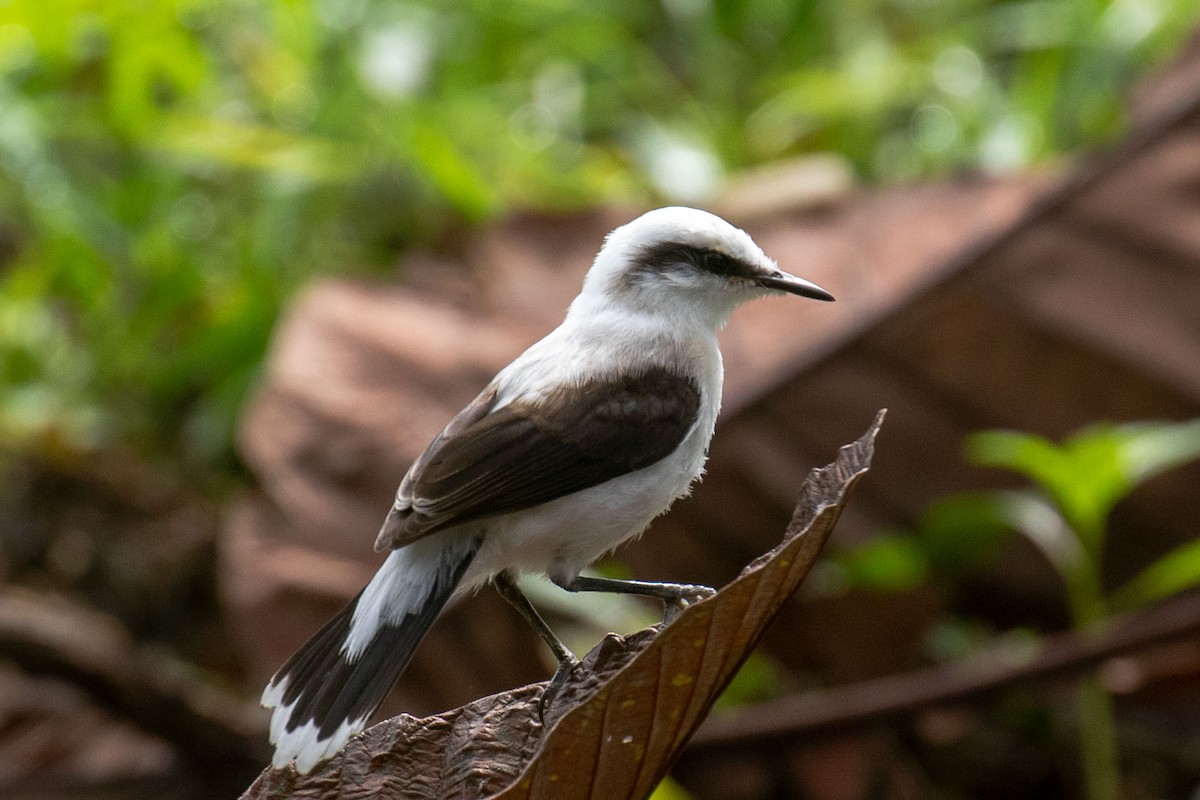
(1097, 739)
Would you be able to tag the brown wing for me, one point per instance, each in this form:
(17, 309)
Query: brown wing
(491, 462)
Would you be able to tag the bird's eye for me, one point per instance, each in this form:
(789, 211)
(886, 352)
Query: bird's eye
(717, 264)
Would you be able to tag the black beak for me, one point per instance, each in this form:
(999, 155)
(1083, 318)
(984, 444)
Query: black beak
(793, 285)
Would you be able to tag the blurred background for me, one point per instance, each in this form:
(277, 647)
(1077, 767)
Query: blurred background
(253, 255)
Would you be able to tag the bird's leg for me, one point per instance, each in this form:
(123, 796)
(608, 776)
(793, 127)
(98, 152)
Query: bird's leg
(506, 585)
(675, 596)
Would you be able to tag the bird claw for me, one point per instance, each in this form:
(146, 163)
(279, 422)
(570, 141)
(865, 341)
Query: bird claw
(686, 595)
(549, 694)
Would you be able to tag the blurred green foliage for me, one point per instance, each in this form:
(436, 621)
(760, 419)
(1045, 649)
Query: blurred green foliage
(1077, 484)
(1064, 514)
(171, 171)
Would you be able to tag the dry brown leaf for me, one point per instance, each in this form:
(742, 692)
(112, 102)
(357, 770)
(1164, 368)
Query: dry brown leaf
(619, 724)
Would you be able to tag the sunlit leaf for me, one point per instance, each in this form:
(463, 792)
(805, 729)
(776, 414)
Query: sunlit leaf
(454, 174)
(670, 790)
(1084, 477)
(1033, 456)
(1092, 470)
(1177, 571)
(1096, 479)
(258, 147)
(1152, 448)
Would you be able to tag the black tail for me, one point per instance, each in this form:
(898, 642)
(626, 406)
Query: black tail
(324, 694)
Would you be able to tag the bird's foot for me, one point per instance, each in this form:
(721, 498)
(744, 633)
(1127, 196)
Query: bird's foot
(561, 676)
(681, 596)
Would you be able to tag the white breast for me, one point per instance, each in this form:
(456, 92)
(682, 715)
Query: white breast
(563, 536)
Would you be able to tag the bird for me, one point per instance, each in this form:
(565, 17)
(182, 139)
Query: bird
(571, 450)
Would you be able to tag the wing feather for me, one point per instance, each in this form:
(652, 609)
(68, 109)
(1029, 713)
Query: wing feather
(492, 461)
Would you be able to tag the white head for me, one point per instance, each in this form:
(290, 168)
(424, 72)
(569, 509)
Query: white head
(683, 262)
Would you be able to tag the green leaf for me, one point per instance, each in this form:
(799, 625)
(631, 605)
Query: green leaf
(758, 680)
(1040, 522)
(1151, 448)
(1031, 455)
(1085, 476)
(983, 516)
(961, 533)
(1096, 478)
(453, 173)
(1177, 571)
(887, 563)
(670, 790)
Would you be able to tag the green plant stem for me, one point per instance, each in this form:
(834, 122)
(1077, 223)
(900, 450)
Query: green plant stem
(1088, 610)
(1097, 739)
(1097, 727)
